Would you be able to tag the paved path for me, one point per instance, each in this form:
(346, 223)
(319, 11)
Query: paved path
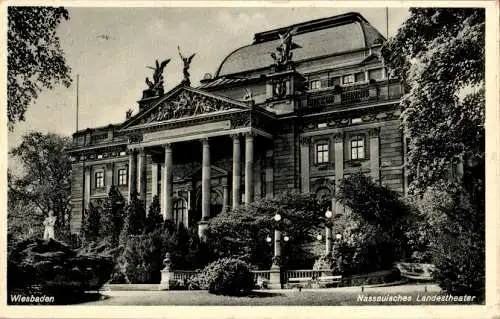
(329, 296)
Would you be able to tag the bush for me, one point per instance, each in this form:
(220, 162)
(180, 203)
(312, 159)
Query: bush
(55, 268)
(324, 262)
(457, 242)
(228, 276)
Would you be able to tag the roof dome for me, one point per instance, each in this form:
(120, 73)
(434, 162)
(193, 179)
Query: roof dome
(317, 38)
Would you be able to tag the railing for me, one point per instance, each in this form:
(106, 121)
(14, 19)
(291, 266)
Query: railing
(184, 274)
(305, 273)
(266, 274)
(341, 96)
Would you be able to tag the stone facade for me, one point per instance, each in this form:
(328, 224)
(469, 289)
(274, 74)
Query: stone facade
(208, 149)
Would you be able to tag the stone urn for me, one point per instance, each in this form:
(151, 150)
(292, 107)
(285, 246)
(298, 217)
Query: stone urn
(167, 276)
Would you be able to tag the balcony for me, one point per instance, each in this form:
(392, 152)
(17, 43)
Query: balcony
(340, 97)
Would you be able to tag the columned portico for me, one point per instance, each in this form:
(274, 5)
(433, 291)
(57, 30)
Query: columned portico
(167, 183)
(248, 168)
(236, 170)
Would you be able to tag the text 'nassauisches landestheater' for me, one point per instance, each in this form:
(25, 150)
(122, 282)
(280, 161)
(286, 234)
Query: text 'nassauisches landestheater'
(298, 109)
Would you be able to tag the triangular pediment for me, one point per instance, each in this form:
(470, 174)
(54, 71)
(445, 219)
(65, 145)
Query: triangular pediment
(184, 102)
(372, 58)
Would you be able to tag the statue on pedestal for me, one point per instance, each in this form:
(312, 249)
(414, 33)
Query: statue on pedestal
(185, 69)
(49, 223)
(283, 59)
(156, 87)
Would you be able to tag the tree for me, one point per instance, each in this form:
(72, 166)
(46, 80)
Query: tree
(439, 54)
(44, 181)
(35, 60)
(154, 219)
(112, 218)
(91, 224)
(135, 218)
(242, 232)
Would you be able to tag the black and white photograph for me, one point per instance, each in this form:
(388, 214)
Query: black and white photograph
(271, 154)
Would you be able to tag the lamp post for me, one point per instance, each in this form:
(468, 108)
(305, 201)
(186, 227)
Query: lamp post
(275, 271)
(328, 232)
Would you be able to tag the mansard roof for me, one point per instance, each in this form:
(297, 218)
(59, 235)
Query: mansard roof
(322, 37)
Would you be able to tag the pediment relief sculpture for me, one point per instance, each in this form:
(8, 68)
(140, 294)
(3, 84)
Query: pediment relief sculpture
(184, 105)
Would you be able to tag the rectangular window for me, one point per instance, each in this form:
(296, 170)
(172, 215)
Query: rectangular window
(315, 85)
(122, 176)
(348, 79)
(322, 153)
(357, 148)
(99, 179)
(376, 74)
(359, 77)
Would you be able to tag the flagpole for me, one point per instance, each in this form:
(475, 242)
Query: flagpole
(77, 84)
(387, 39)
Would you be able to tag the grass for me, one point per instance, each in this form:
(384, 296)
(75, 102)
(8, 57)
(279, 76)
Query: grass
(289, 298)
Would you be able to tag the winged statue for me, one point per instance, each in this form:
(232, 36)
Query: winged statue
(157, 75)
(284, 49)
(185, 69)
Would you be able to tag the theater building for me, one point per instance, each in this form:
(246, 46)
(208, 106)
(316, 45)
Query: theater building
(319, 108)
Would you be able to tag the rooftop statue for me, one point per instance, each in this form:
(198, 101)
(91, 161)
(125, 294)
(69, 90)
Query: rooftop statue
(185, 69)
(283, 58)
(157, 85)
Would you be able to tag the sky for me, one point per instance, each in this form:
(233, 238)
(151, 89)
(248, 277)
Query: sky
(112, 69)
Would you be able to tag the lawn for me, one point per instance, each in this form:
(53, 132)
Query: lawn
(261, 298)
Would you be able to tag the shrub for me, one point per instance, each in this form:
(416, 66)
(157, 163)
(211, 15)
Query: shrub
(55, 268)
(324, 262)
(228, 276)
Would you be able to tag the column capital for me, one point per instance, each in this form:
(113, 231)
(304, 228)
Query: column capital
(235, 136)
(374, 132)
(249, 134)
(205, 142)
(338, 137)
(141, 150)
(305, 140)
(167, 146)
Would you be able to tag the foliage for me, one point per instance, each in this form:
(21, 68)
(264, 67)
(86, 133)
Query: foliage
(141, 260)
(241, 233)
(112, 217)
(135, 218)
(35, 60)
(324, 262)
(55, 267)
(439, 53)
(227, 276)
(154, 219)
(91, 224)
(373, 228)
(456, 241)
(42, 184)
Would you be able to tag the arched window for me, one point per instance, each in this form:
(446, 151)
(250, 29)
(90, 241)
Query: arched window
(180, 211)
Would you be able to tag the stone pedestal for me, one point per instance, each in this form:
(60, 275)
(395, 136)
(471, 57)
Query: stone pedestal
(275, 277)
(202, 227)
(167, 276)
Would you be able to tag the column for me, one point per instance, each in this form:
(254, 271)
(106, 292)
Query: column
(304, 165)
(374, 154)
(257, 175)
(108, 181)
(154, 180)
(328, 240)
(86, 191)
(141, 175)
(132, 174)
(205, 189)
(205, 181)
(225, 196)
(161, 168)
(269, 174)
(339, 159)
(236, 171)
(248, 168)
(168, 183)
